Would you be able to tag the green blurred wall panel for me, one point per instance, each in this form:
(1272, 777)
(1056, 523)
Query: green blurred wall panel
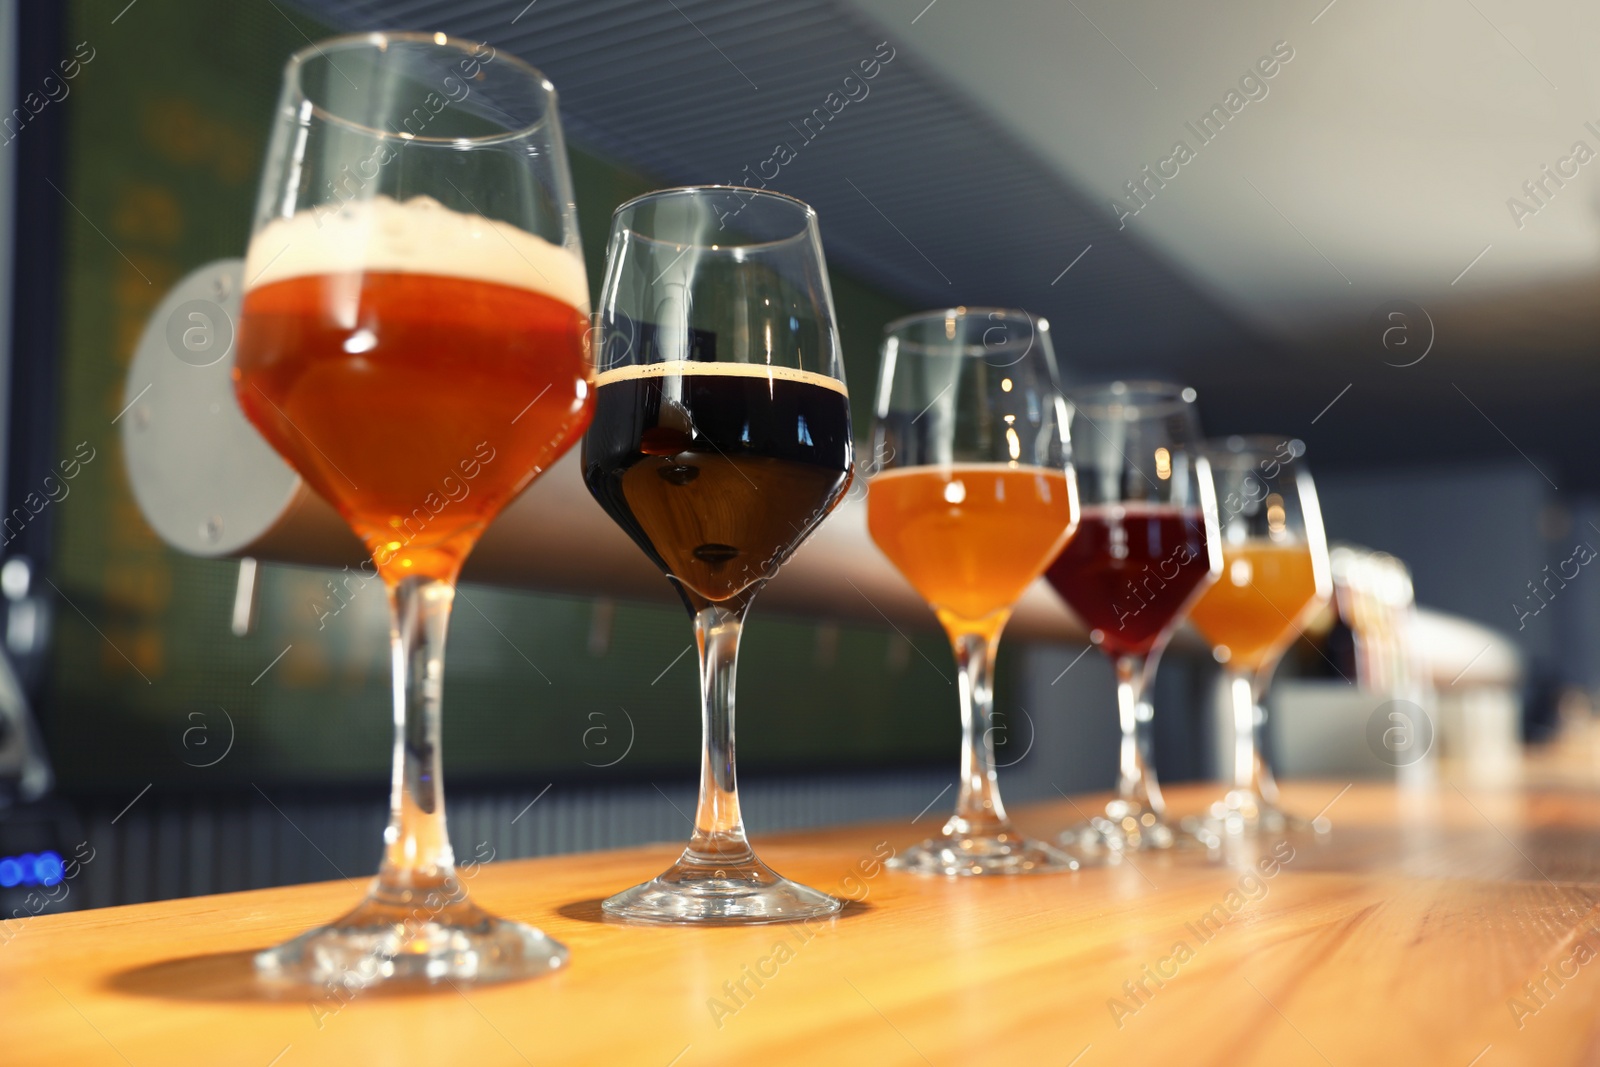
(166, 128)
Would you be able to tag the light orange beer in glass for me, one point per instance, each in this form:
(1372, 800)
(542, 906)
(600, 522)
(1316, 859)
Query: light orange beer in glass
(971, 537)
(1253, 611)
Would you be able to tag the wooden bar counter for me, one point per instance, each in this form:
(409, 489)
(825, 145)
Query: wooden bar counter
(1451, 926)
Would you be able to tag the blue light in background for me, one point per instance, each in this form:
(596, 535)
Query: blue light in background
(49, 868)
(44, 868)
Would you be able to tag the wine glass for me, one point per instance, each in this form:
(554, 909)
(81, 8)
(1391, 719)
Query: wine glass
(1146, 546)
(412, 340)
(721, 439)
(972, 495)
(1275, 577)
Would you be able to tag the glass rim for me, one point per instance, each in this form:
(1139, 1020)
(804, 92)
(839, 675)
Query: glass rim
(808, 214)
(965, 311)
(380, 39)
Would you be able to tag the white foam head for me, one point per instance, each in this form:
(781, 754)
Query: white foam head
(417, 236)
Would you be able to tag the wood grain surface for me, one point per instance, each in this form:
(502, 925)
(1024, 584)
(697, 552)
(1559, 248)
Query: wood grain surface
(1453, 925)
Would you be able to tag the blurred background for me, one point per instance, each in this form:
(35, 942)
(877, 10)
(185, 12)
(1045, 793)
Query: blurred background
(1372, 228)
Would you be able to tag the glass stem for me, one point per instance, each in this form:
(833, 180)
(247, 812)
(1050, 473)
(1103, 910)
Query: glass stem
(978, 807)
(1245, 757)
(719, 839)
(1251, 778)
(1136, 780)
(1266, 785)
(416, 855)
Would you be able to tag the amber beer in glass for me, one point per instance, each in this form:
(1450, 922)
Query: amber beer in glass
(1255, 608)
(972, 495)
(420, 398)
(940, 527)
(413, 341)
(1275, 578)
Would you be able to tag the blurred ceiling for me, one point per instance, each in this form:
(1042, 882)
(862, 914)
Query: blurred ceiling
(1369, 173)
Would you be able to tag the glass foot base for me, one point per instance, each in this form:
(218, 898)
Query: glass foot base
(1126, 826)
(974, 854)
(385, 943)
(745, 893)
(1246, 813)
